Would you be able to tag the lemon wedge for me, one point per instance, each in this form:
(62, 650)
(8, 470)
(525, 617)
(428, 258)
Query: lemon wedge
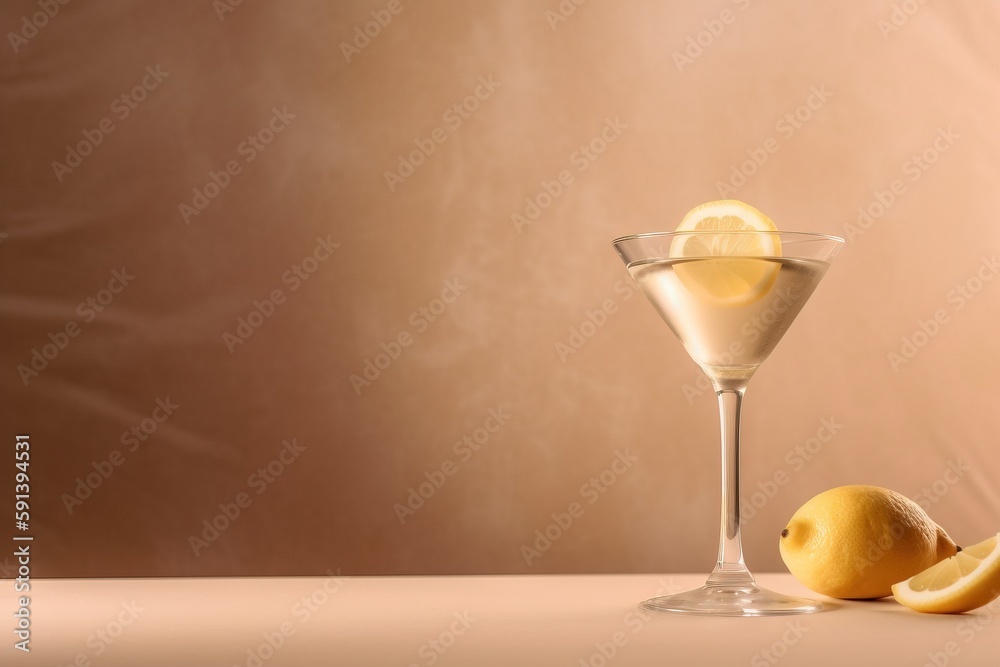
(727, 269)
(967, 580)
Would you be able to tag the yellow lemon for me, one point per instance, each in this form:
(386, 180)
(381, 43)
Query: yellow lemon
(855, 542)
(967, 580)
(725, 268)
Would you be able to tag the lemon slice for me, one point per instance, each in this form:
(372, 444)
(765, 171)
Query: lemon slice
(967, 580)
(730, 270)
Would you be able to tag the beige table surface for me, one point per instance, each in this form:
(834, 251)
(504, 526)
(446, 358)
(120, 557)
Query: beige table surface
(478, 621)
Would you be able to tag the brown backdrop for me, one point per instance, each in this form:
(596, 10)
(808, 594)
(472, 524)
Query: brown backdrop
(281, 202)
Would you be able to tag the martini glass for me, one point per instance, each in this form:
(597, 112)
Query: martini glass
(729, 296)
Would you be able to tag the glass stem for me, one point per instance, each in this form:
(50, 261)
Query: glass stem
(730, 570)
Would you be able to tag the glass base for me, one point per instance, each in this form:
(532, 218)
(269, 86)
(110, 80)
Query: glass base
(732, 600)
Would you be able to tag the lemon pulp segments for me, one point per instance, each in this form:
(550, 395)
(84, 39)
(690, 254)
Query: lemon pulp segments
(727, 269)
(967, 580)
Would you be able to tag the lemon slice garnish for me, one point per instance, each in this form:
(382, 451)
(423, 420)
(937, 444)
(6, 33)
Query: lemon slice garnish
(730, 271)
(966, 581)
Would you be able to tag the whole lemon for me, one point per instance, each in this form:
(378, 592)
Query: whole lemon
(855, 542)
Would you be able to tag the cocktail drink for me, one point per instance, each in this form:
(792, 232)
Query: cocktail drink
(728, 334)
(729, 284)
